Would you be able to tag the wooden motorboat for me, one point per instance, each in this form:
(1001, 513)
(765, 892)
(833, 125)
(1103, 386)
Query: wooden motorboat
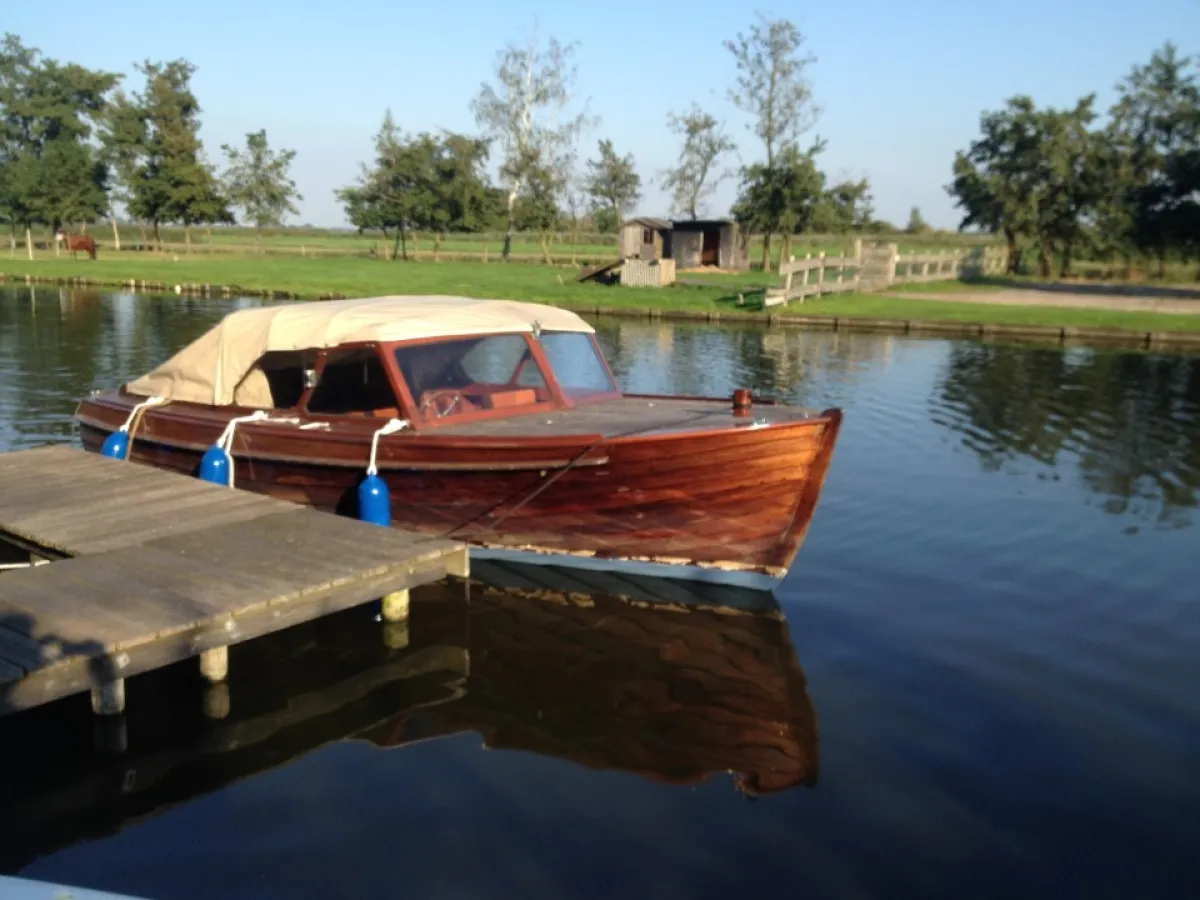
(494, 422)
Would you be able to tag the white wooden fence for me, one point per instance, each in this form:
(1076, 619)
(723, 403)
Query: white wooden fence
(877, 266)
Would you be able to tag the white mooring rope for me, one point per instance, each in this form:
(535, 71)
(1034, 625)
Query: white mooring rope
(392, 426)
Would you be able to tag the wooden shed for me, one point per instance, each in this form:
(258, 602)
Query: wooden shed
(707, 242)
(645, 238)
(692, 243)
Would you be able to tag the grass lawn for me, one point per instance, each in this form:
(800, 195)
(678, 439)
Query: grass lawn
(312, 277)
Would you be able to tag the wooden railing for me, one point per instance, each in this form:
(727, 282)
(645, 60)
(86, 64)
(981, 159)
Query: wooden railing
(878, 266)
(817, 276)
(948, 265)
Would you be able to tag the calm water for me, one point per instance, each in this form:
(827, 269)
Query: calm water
(986, 683)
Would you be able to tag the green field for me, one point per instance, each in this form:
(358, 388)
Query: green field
(351, 276)
(583, 248)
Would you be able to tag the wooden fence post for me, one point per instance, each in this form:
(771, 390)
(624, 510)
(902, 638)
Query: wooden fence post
(821, 274)
(787, 279)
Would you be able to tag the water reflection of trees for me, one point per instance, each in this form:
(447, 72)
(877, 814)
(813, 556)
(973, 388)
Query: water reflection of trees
(791, 364)
(56, 345)
(1129, 422)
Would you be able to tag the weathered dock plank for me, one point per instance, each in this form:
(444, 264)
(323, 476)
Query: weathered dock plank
(157, 567)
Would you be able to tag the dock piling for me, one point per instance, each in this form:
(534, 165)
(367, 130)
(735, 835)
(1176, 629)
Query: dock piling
(214, 664)
(109, 699)
(395, 606)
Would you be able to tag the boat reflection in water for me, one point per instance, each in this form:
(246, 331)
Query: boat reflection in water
(673, 681)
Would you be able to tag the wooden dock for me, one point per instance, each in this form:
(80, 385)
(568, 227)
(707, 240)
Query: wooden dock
(148, 567)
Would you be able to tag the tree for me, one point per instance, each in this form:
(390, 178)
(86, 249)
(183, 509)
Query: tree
(772, 88)
(992, 178)
(916, 223)
(843, 208)
(780, 199)
(538, 206)
(122, 145)
(471, 203)
(612, 182)
(519, 112)
(50, 173)
(379, 201)
(696, 175)
(423, 182)
(1157, 115)
(174, 182)
(257, 182)
(1064, 187)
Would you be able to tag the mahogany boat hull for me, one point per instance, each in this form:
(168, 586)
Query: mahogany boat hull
(721, 499)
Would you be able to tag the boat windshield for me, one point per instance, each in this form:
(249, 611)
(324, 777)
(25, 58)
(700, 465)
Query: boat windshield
(577, 365)
(468, 375)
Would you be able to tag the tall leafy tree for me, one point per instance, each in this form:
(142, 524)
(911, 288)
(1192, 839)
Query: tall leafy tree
(422, 182)
(470, 202)
(993, 178)
(1064, 188)
(612, 182)
(48, 111)
(537, 208)
(122, 145)
(843, 207)
(174, 183)
(1157, 115)
(257, 181)
(773, 89)
(380, 200)
(698, 172)
(520, 113)
(782, 199)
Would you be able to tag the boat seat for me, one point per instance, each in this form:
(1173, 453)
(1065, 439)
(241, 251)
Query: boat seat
(507, 399)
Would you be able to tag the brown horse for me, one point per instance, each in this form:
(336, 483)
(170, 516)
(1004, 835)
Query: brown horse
(77, 242)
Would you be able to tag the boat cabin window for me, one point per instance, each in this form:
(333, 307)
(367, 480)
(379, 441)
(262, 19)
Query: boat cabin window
(276, 380)
(577, 365)
(353, 381)
(452, 378)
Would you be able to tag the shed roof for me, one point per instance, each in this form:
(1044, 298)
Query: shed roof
(701, 223)
(648, 222)
(214, 368)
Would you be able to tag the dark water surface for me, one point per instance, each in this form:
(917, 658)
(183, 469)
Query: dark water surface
(985, 681)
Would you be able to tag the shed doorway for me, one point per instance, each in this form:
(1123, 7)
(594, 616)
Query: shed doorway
(710, 250)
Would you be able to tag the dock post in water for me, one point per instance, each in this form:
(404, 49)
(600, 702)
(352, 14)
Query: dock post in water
(214, 664)
(395, 606)
(109, 699)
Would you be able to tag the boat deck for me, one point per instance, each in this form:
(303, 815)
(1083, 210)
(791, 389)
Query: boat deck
(631, 415)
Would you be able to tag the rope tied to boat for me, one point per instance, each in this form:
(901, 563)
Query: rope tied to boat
(119, 443)
(390, 427)
(136, 412)
(225, 442)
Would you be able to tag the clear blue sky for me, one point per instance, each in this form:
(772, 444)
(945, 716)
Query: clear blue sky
(901, 85)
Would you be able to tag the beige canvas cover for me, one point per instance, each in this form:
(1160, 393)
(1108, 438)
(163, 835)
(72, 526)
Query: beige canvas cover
(219, 367)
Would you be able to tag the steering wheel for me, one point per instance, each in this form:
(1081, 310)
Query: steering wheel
(443, 401)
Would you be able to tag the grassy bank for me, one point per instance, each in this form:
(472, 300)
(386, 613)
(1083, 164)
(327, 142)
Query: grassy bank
(347, 276)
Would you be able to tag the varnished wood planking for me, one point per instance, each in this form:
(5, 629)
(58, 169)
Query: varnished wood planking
(166, 566)
(677, 478)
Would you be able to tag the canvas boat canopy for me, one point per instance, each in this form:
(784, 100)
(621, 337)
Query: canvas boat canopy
(219, 367)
